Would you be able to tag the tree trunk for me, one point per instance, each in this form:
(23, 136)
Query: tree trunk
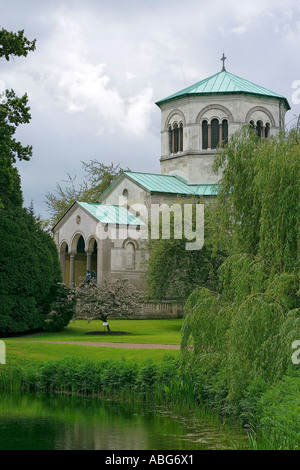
(108, 329)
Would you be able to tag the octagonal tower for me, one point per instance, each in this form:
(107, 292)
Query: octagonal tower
(196, 119)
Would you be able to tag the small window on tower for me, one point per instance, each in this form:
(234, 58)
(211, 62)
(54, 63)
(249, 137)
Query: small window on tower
(176, 138)
(204, 135)
(176, 133)
(215, 133)
(180, 137)
(224, 132)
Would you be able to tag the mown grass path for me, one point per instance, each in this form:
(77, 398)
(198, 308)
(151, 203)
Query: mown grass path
(114, 345)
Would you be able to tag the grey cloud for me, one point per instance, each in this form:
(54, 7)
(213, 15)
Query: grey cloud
(148, 50)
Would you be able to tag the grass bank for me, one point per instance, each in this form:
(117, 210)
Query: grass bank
(22, 351)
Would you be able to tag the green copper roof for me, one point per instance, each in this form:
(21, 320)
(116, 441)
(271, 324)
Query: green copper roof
(171, 184)
(109, 214)
(168, 184)
(223, 82)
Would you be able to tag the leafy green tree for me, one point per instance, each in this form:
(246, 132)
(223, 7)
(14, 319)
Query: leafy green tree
(29, 272)
(258, 204)
(98, 178)
(62, 308)
(13, 112)
(172, 272)
(14, 44)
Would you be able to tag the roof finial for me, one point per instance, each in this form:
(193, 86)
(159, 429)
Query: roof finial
(223, 59)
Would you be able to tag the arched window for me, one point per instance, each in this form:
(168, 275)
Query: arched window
(225, 131)
(204, 135)
(80, 245)
(130, 256)
(180, 146)
(176, 138)
(215, 133)
(259, 128)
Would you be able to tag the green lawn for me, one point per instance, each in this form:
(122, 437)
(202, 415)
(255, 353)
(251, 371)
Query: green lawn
(141, 331)
(19, 351)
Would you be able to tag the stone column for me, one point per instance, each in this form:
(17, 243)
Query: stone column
(88, 260)
(62, 258)
(72, 267)
(263, 132)
(209, 136)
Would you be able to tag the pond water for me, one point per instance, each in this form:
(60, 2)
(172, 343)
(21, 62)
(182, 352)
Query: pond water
(50, 422)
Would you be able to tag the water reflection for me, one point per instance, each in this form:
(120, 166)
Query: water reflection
(31, 421)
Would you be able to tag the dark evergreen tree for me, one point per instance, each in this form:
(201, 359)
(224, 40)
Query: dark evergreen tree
(29, 264)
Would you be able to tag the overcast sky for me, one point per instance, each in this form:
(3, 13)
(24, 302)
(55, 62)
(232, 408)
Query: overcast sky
(100, 65)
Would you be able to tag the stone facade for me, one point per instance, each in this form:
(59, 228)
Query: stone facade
(195, 163)
(110, 258)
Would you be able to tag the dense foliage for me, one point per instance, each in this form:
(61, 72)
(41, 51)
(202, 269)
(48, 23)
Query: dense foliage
(62, 309)
(243, 333)
(98, 178)
(29, 271)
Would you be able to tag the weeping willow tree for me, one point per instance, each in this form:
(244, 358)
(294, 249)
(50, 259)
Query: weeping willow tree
(242, 334)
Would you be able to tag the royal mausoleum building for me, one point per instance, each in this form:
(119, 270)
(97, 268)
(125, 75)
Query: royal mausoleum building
(194, 121)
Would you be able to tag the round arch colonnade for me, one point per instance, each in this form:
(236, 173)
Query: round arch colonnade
(76, 257)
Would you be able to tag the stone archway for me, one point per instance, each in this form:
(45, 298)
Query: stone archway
(77, 260)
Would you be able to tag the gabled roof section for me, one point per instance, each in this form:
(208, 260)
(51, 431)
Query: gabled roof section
(111, 214)
(223, 82)
(106, 214)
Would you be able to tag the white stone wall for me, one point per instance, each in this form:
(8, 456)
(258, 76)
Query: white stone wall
(136, 194)
(119, 265)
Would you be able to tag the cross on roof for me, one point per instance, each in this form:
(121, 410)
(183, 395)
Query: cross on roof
(223, 59)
